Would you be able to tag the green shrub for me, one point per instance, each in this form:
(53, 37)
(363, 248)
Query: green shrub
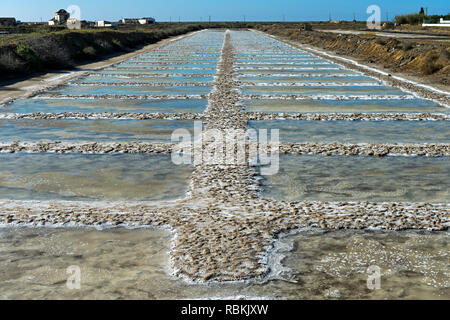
(27, 53)
(89, 51)
(412, 18)
(117, 43)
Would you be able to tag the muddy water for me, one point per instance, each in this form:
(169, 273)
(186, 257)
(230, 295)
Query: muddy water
(131, 264)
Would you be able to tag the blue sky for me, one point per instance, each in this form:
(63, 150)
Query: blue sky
(225, 10)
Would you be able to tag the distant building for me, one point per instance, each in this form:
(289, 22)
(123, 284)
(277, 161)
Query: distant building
(104, 24)
(146, 20)
(61, 17)
(8, 21)
(442, 23)
(129, 21)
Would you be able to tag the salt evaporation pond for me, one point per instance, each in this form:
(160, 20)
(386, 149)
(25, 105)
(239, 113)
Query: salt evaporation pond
(91, 177)
(358, 131)
(345, 106)
(360, 178)
(105, 105)
(99, 130)
(132, 264)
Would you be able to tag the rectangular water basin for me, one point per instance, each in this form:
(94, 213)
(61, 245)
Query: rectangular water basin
(360, 178)
(358, 131)
(91, 177)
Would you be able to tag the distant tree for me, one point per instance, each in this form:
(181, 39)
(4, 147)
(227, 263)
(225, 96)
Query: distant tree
(422, 11)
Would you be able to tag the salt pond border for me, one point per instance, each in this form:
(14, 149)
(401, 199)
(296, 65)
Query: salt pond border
(249, 116)
(297, 148)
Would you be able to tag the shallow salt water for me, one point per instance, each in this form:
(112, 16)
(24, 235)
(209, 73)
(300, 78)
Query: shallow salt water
(132, 264)
(91, 177)
(287, 80)
(132, 90)
(105, 105)
(358, 131)
(359, 178)
(154, 130)
(151, 80)
(325, 106)
(347, 90)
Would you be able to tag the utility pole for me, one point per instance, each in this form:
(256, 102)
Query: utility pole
(179, 19)
(329, 17)
(170, 19)
(387, 15)
(354, 17)
(209, 19)
(284, 18)
(244, 18)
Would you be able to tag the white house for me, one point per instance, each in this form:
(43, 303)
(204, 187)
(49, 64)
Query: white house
(61, 17)
(103, 24)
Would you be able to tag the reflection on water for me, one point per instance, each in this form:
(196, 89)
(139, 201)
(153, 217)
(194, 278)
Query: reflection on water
(360, 178)
(358, 131)
(91, 177)
(132, 264)
(91, 130)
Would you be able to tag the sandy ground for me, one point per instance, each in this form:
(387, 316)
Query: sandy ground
(24, 88)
